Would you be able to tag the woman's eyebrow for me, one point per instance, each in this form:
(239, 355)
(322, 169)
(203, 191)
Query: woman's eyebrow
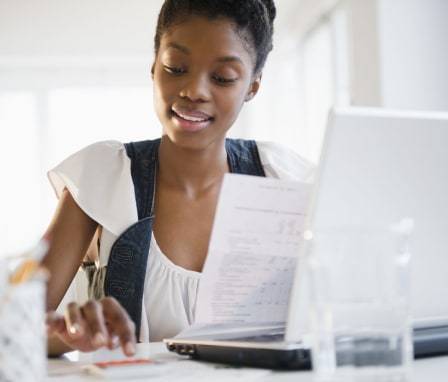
(186, 51)
(230, 59)
(178, 47)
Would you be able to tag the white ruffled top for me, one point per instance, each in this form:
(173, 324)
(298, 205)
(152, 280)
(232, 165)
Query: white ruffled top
(99, 179)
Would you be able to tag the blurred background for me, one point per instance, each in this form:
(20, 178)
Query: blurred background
(77, 71)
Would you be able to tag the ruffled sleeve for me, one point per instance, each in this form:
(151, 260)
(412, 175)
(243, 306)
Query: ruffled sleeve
(283, 163)
(99, 179)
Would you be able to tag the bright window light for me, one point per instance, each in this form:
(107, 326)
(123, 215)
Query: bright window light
(318, 85)
(19, 158)
(80, 116)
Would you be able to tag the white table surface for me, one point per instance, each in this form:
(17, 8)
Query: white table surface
(175, 367)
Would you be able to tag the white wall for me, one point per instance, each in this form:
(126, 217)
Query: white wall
(363, 36)
(399, 53)
(414, 54)
(93, 28)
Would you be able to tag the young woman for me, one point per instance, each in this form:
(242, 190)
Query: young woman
(150, 205)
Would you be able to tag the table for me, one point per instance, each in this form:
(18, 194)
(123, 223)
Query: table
(70, 368)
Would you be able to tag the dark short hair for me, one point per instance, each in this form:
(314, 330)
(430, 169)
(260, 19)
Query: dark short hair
(253, 20)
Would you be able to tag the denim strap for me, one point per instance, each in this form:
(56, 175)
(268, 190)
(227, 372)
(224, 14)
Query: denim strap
(243, 157)
(126, 267)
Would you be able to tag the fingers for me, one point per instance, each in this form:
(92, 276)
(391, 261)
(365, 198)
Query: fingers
(74, 320)
(93, 325)
(95, 321)
(121, 324)
(55, 323)
(87, 321)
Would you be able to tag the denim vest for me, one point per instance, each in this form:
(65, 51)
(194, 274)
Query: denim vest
(126, 267)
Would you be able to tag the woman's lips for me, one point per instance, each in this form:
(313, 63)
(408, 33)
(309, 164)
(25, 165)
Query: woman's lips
(192, 115)
(193, 120)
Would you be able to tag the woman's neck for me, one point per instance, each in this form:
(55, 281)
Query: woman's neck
(191, 170)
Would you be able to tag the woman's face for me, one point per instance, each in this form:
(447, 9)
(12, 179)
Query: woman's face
(202, 75)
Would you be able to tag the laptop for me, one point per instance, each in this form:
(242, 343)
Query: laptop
(379, 166)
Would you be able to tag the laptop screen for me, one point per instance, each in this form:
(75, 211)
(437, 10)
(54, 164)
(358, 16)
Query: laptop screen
(377, 167)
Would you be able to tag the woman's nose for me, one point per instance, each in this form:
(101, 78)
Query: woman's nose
(196, 88)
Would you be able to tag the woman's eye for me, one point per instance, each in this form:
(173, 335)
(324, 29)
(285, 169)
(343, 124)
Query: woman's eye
(174, 70)
(224, 80)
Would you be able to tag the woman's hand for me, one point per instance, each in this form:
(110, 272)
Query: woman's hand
(95, 324)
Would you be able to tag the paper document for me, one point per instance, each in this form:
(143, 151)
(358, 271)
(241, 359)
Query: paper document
(249, 270)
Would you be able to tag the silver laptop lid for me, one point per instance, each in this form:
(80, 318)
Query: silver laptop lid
(379, 166)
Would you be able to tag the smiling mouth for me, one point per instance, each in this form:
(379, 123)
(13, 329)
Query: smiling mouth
(193, 117)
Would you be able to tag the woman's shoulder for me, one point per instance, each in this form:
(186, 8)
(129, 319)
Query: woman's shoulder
(109, 145)
(281, 161)
(138, 149)
(101, 151)
(146, 150)
(98, 176)
(99, 158)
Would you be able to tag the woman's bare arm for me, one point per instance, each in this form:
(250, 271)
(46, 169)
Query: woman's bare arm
(93, 324)
(70, 233)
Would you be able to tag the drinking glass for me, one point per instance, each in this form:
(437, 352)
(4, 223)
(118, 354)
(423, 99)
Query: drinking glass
(23, 346)
(360, 303)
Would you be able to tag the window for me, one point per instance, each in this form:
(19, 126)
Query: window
(19, 169)
(48, 111)
(324, 75)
